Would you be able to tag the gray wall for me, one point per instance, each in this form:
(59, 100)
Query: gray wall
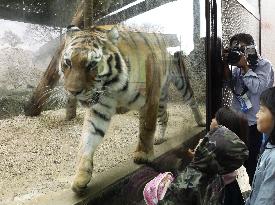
(268, 30)
(236, 19)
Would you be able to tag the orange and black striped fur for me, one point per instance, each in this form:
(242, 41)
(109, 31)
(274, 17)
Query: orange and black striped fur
(106, 69)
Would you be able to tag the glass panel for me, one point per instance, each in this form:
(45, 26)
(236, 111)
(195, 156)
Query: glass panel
(33, 153)
(190, 38)
(39, 154)
(236, 19)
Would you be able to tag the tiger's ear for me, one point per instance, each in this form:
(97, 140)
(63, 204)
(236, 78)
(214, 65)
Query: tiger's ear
(113, 35)
(70, 31)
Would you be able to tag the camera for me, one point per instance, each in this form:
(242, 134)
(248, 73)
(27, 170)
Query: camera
(250, 53)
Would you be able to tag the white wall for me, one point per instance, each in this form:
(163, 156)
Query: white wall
(268, 30)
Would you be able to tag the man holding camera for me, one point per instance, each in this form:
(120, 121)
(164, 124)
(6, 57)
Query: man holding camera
(251, 75)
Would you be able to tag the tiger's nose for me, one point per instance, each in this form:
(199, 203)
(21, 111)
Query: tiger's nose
(75, 93)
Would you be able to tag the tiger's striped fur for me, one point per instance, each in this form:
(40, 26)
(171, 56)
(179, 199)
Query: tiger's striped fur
(109, 69)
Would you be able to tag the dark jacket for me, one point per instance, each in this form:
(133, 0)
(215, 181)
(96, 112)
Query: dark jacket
(220, 152)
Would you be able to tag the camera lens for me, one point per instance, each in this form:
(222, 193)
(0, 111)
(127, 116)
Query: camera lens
(234, 57)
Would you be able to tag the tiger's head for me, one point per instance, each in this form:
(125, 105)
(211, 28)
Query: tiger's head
(84, 59)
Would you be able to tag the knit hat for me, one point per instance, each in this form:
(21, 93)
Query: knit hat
(155, 189)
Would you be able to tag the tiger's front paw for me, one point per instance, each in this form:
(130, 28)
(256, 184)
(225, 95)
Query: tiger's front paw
(81, 179)
(141, 157)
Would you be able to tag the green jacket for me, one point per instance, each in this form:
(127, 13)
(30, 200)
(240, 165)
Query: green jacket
(220, 152)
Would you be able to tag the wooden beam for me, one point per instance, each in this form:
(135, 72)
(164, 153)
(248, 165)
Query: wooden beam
(46, 12)
(22, 16)
(131, 12)
(99, 12)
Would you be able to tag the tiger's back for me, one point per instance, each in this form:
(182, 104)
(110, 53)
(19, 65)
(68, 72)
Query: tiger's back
(137, 48)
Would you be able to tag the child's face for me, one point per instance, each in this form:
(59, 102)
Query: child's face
(213, 124)
(265, 121)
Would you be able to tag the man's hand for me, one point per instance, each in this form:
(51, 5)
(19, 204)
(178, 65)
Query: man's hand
(226, 69)
(225, 55)
(243, 64)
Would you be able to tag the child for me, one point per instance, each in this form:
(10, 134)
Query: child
(220, 152)
(263, 186)
(239, 125)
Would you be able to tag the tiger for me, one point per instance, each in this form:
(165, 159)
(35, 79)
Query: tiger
(106, 68)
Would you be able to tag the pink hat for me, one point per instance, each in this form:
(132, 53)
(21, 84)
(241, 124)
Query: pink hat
(155, 189)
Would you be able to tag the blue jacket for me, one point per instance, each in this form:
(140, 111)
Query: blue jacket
(263, 186)
(256, 81)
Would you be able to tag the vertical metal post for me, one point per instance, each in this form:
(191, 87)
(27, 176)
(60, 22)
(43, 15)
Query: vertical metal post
(260, 28)
(214, 69)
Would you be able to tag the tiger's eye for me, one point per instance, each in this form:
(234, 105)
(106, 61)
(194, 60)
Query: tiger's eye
(68, 62)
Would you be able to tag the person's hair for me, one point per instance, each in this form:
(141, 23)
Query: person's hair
(267, 99)
(233, 121)
(242, 37)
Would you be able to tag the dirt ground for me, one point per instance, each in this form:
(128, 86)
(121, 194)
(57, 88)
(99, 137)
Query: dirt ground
(38, 154)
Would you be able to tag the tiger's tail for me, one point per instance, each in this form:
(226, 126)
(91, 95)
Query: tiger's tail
(181, 81)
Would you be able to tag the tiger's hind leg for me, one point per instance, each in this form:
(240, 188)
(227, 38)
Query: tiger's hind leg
(185, 89)
(182, 83)
(162, 115)
(196, 112)
(147, 126)
(148, 114)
